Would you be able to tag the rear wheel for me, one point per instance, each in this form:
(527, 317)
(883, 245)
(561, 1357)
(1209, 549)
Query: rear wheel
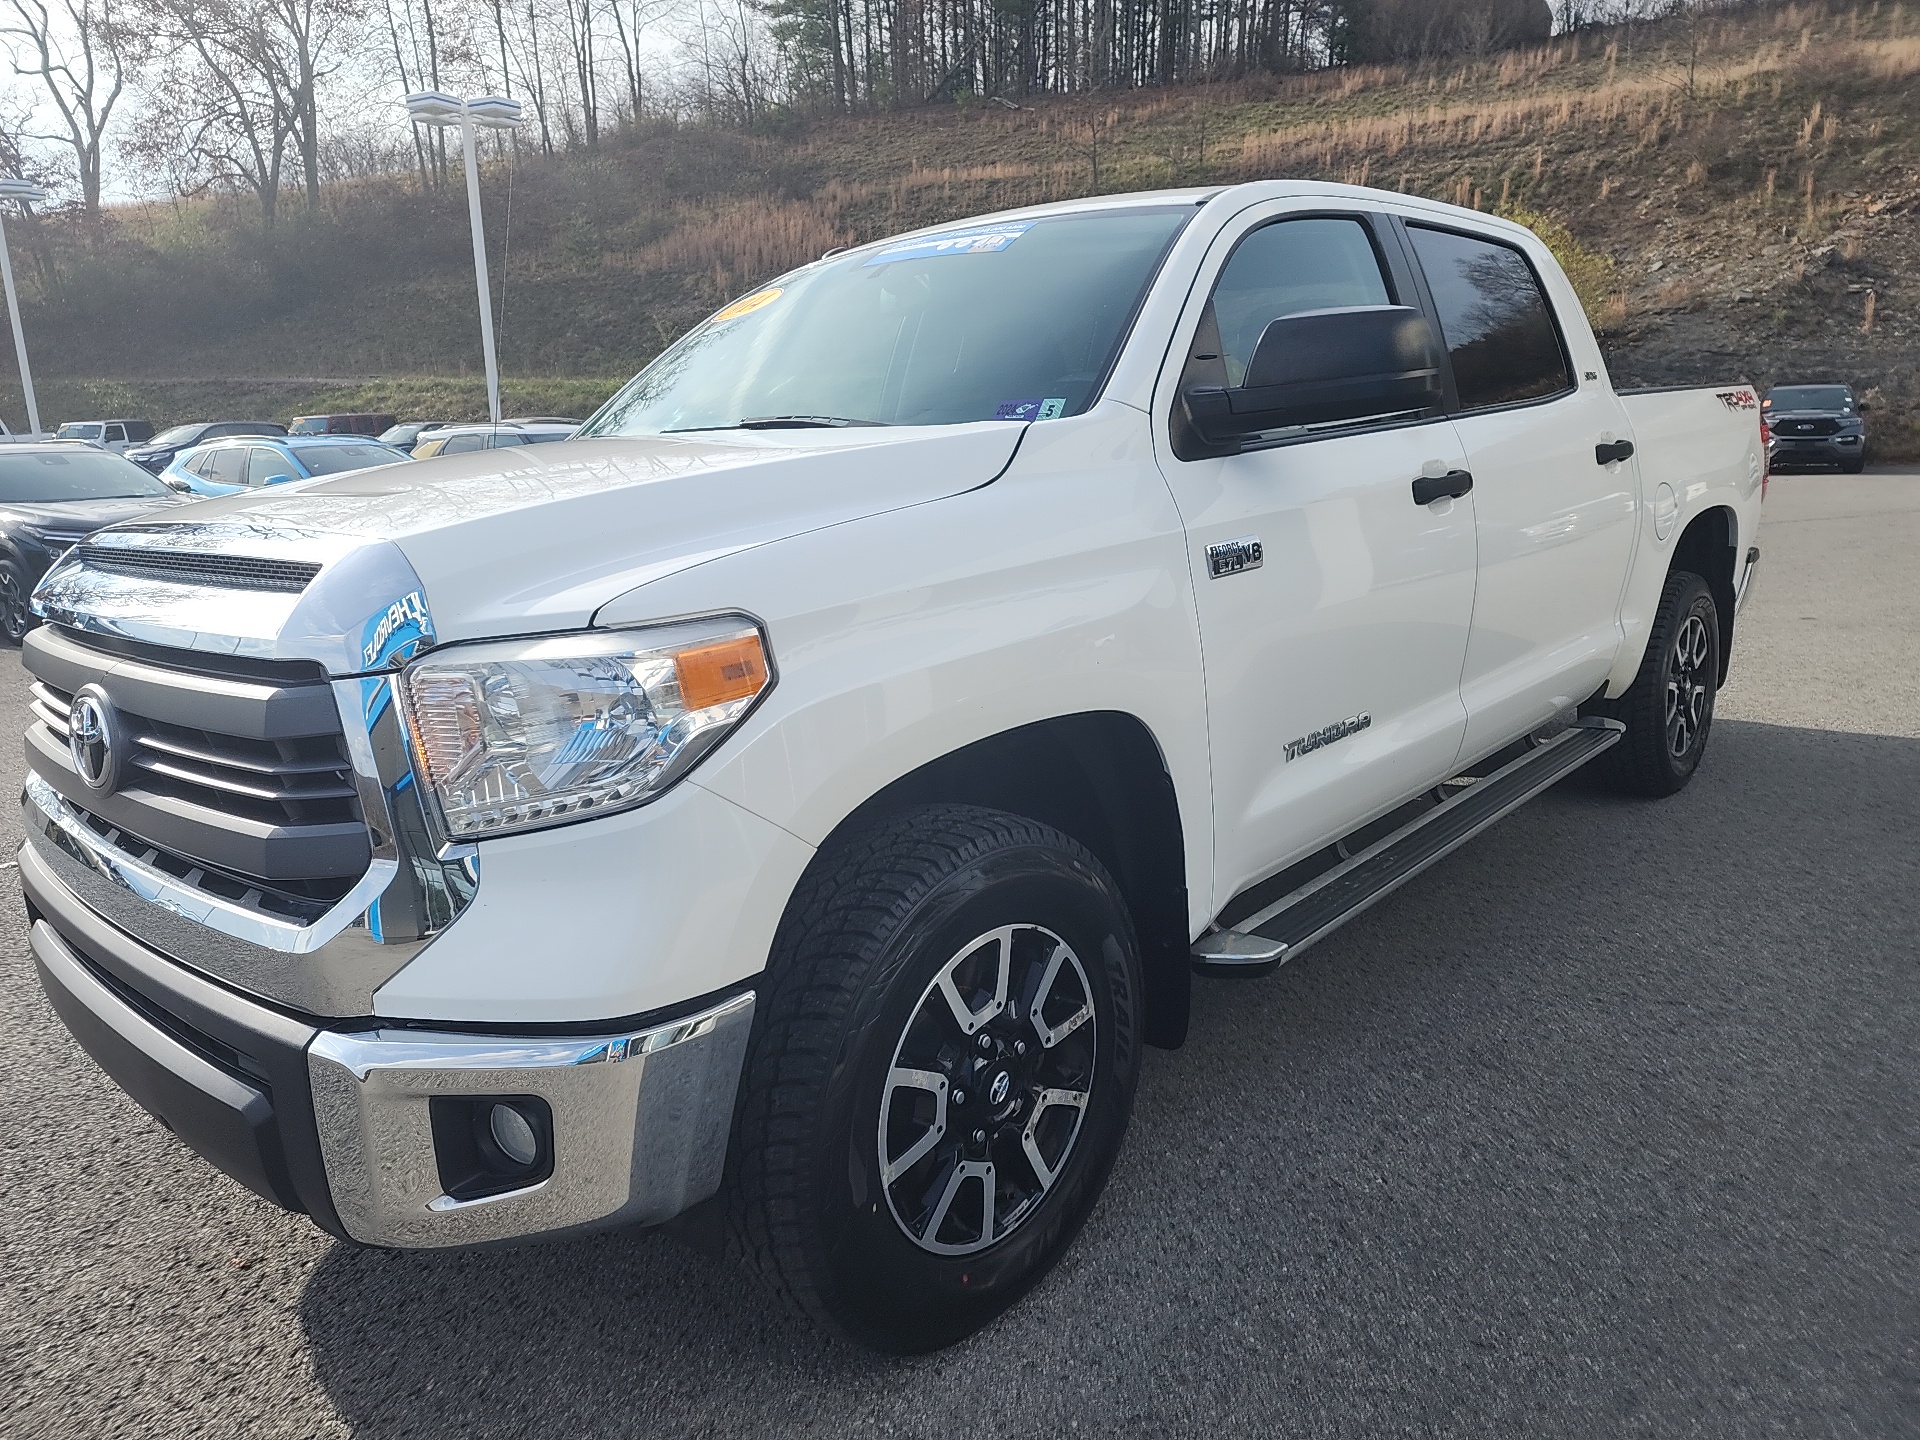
(940, 1077)
(16, 619)
(1669, 710)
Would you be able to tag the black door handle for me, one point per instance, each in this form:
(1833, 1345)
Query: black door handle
(1618, 450)
(1450, 486)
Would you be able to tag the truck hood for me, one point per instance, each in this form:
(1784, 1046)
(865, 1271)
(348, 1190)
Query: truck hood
(502, 542)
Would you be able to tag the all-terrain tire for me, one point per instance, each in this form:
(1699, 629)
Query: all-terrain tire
(888, 951)
(1668, 711)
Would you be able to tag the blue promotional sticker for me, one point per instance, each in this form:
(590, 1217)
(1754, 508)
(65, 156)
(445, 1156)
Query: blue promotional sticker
(402, 629)
(981, 240)
(1051, 409)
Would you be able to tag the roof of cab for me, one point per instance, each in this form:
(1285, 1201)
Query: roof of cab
(1247, 193)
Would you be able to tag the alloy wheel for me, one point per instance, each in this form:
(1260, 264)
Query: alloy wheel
(14, 619)
(987, 1089)
(1689, 687)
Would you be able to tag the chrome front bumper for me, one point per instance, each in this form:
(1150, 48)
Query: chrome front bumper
(640, 1125)
(337, 1123)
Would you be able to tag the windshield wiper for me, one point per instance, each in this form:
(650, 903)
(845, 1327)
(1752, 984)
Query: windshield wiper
(800, 422)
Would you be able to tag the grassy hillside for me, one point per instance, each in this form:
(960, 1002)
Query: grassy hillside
(1740, 199)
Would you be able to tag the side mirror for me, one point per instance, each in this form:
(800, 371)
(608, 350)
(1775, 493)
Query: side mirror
(1861, 409)
(1322, 366)
(174, 482)
(278, 479)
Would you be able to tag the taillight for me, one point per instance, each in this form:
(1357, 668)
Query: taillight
(1766, 457)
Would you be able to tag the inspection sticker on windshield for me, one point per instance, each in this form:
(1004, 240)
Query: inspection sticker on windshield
(756, 301)
(1030, 410)
(981, 240)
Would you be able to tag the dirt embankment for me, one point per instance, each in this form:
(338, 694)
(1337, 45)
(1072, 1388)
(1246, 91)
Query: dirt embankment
(1739, 198)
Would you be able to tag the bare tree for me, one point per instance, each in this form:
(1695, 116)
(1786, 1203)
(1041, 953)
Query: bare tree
(297, 34)
(80, 55)
(236, 117)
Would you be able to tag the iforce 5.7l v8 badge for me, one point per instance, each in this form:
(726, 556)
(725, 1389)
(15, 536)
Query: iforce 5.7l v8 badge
(1230, 557)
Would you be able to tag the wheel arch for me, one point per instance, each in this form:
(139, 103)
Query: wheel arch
(1100, 777)
(1708, 547)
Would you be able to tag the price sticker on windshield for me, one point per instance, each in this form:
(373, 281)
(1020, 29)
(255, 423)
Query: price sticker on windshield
(759, 300)
(981, 240)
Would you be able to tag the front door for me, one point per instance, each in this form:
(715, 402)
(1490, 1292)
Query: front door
(1556, 525)
(1333, 650)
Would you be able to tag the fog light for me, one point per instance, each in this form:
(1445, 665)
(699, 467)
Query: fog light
(490, 1144)
(514, 1135)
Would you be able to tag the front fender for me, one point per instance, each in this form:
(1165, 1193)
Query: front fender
(1060, 588)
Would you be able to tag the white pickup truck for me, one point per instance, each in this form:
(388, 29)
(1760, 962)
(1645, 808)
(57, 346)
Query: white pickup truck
(793, 804)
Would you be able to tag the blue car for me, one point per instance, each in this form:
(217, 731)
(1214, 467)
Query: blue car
(246, 462)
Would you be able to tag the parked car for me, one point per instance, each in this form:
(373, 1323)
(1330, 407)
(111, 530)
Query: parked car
(114, 435)
(407, 433)
(816, 784)
(1816, 425)
(53, 494)
(224, 467)
(340, 424)
(458, 439)
(156, 454)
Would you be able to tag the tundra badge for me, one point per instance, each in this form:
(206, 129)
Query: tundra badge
(1230, 557)
(1339, 730)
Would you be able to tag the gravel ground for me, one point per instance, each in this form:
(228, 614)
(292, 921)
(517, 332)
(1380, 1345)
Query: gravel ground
(1605, 1126)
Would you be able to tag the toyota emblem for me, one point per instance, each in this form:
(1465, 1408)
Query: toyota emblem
(1002, 1086)
(91, 741)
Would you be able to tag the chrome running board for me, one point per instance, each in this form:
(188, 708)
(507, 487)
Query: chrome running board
(1275, 934)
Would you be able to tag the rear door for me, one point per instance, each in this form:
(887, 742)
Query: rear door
(1555, 524)
(226, 466)
(1334, 610)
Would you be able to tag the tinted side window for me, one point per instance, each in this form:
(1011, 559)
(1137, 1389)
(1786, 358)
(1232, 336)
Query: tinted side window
(1498, 326)
(1286, 269)
(454, 445)
(262, 463)
(116, 433)
(227, 466)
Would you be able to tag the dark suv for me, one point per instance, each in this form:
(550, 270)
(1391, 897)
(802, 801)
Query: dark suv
(1815, 425)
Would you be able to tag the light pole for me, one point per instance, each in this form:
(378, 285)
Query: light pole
(27, 193)
(491, 112)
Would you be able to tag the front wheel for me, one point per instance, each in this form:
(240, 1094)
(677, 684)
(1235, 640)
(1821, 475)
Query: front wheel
(15, 618)
(1669, 710)
(940, 1077)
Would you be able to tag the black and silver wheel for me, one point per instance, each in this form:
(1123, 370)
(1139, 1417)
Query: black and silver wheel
(988, 1090)
(15, 618)
(1669, 710)
(942, 1069)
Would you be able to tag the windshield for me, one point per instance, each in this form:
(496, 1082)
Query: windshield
(179, 435)
(75, 431)
(82, 475)
(1016, 321)
(332, 459)
(1809, 397)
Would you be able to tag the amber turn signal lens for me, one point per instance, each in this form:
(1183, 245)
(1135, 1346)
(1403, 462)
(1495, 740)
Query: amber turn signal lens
(727, 670)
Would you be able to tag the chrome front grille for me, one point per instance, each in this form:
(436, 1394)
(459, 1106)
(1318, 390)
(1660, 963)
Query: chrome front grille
(245, 781)
(299, 781)
(193, 567)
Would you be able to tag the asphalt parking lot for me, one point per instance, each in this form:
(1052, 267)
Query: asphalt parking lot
(1605, 1126)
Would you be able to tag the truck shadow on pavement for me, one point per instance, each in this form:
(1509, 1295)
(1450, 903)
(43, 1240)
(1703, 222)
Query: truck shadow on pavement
(1603, 1125)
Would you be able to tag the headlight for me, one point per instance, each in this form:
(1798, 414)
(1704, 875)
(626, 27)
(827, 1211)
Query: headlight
(514, 735)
